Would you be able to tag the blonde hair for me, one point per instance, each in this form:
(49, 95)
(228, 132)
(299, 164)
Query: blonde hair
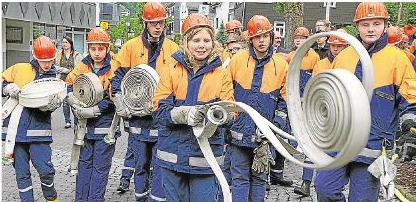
(188, 36)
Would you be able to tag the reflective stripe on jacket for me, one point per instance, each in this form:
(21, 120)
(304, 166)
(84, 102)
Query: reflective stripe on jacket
(34, 125)
(178, 148)
(138, 51)
(394, 91)
(261, 85)
(97, 127)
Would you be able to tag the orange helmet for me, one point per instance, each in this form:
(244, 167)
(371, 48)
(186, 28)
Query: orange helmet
(233, 24)
(195, 20)
(44, 49)
(154, 11)
(370, 10)
(394, 35)
(409, 30)
(98, 35)
(244, 35)
(337, 40)
(257, 25)
(301, 31)
(405, 38)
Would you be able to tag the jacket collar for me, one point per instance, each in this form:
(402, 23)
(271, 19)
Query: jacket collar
(106, 64)
(36, 66)
(253, 54)
(147, 43)
(204, 68)
(377, 45)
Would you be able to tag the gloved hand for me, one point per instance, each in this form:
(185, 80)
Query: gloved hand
(407, 124)
(406, 145)
(190, 115)
(147, 110)
(54, 103)
(62, 70)
(86, 113)
(262, 158)
(121, 108)
(12, 90)
(72, 100)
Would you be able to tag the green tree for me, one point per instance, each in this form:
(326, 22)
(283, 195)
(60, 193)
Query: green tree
(350, 29)
(407, 14)
(221, 36)
(120, 31)
(293, 13)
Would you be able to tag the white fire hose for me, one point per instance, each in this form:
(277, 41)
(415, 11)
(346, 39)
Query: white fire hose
(88, 89)
(331, 119)
(137, 88)
(35, 94)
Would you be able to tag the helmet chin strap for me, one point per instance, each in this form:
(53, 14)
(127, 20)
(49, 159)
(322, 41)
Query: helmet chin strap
(148, 33)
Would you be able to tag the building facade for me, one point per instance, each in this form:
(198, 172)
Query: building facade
(22, 22)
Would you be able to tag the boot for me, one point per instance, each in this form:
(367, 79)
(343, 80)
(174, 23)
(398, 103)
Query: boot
(123, 188)
(56, 200)
(281, 181)
(305, 189)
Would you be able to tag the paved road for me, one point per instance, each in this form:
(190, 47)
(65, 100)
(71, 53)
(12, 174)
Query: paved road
(65, 183)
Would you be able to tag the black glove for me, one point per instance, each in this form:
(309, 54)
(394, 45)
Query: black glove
(227, 136)
(406, 146)
(407, 125)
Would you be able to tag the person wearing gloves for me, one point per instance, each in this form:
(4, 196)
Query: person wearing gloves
(196, 79)
(66, 60)
(34, 134)
(259, 78)
(393, 102)
(154, 49)
(95, 156)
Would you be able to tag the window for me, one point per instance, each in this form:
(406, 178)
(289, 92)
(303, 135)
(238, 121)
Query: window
(331, 4)
(280, 27)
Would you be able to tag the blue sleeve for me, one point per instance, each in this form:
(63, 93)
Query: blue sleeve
(106, 105)
(280, 115)
(116, 80)
(162, 113)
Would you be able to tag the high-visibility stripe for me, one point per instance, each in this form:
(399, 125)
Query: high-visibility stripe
(135, 130)
(202, 162)
(239, 136)
(101, 130)
(154, 133)
(157, 198)
(370, 153)
(140, 195)
(47, 185)
(166, 156)
(43, 133)
(26, 189)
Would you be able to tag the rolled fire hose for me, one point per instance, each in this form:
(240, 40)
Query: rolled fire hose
(137, 88)
(35, 94)
(331, 119)
(87, 88)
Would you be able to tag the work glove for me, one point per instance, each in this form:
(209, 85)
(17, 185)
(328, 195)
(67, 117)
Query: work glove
(407, 125)
(72, 100)
(147, 110)
(262, 158)
(384, 169)
(406, 145)
(12, 90)
(62, 70)
(190, 115)
(121, 107)
(86, 113)
(54, 103)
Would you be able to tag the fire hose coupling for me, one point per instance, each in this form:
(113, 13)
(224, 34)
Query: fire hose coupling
(217, 115)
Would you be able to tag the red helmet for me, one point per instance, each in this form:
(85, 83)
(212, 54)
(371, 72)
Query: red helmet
(337, 40)
(154, 11)
(44, 49)
(98, 35)
(301, 31)
(233, 24)
(409, 30)
(370, 10)
(258, 25)
(195, 20)
(394, 35)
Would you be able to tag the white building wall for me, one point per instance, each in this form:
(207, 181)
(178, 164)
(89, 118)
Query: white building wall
(221, 14)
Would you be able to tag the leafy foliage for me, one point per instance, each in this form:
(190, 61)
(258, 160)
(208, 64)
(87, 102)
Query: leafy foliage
(221, 36)
(350, 29)
(293, 13)
(121, 30)
(408, 12)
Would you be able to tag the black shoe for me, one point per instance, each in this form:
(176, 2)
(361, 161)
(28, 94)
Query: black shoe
(123, 188)
(285, 183)
(268, 187)
(305, 189)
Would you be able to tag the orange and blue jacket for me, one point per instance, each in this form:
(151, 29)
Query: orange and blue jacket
(323, 64)
(261, 85)
(97, 127)
(178, 148)
(394, 93)
(34, 125)
(135, 52)
(308, 63)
